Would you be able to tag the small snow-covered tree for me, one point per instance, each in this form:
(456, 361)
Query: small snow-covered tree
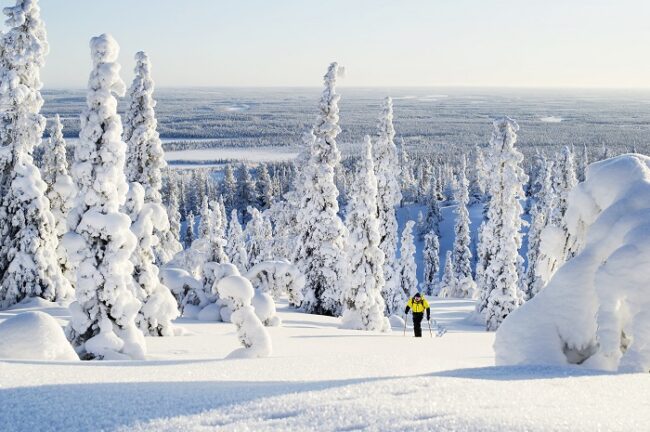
(189, 236)
(363, 304)
(259, 235)
(389, 197)
(501, 232)
(205, 223)
(434, 215)
(103, 316)
(246, 191)
(448, 281)
(238, 293)
(582, 164)
(431, 262)
(322, 235)
(229, 188)
(145, 155)
(407, 267)
(158, 304)
(235, 244)
(478, 182)
(464, 286)
(173, 211)
(265, 187)
(28, 229)
(407, 181)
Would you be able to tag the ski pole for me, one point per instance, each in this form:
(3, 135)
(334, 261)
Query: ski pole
(430, 332)
(405, 318)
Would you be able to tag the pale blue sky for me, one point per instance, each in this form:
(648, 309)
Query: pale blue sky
(587, 43)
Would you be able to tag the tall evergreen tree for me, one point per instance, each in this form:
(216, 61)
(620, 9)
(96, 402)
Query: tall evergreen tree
(448, 280)
(259, 235)
(28, 229)
(246, 191)
(235, 244)
(229, 188)
(103, 316)
(431, 262)
(363, 304)
(145, 155)
(464, 286)
(265, 188)
(406, 179)
(501, 232)
(407, 266)
(322, 235)
(388, 198)
(189, 236)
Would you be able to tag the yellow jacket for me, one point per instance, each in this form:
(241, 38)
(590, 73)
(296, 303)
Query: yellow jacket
(420, 306)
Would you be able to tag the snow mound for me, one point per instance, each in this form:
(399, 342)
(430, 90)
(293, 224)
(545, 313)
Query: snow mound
(34, 336)
(396, 322)
(595, 311)
(265, 309)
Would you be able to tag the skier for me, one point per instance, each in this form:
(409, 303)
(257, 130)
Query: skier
(418, 304)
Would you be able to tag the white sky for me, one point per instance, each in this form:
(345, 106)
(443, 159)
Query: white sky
(531, 43)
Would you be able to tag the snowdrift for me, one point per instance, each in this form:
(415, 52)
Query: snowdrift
(34, 336)
(595, 310)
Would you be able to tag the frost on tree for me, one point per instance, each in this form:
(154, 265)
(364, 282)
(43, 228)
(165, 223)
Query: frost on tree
(464, 286)
(158, 304)
(250, 330)
(431, 263)
(500, 236)
(322, 236)
(28, 229)
(363, 304)
(235, 244)
(145, 156)
(103, 316)
(389, 197)
(595, 309)
(408, 282)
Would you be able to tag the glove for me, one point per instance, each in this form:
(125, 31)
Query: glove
(428, 317)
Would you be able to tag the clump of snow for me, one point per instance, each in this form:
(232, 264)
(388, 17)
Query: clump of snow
(551, 119)
(265, 309)
(594, 311)
(396, 322)
(209, 313)
(250, 330)
(34, 336)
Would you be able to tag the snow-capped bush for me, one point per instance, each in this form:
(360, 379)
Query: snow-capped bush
(277, 278)
(594, 310)
(250, 330)
(34, 336)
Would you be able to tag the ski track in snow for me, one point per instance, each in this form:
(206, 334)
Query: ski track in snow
(319, 377)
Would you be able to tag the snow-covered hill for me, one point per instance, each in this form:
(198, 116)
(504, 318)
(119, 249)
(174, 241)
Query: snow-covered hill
(319, 378)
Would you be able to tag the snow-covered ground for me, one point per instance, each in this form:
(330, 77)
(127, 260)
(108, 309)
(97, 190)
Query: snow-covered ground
(319, 377)
(246, 154)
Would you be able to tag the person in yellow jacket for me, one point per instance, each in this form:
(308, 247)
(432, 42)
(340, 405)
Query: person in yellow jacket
(418, 304)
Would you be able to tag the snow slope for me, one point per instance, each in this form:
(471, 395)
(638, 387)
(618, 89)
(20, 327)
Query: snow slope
(319, 377)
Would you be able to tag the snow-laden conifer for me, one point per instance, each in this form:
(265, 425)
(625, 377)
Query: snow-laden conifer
(406, 179)
(363, 304)
(407, 267)
(389, 197)
(145, 155)
(448, 281)
(265, 187)
(229, 188)
(464, 286)
(322, 235)
(189, 235)
(246, 191)
(259, 235)
(235, 244)
(28, 229)
(103, 315)
(501, 232)
(431, 262)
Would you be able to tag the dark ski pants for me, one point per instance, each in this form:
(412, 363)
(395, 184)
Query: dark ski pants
(417, 323)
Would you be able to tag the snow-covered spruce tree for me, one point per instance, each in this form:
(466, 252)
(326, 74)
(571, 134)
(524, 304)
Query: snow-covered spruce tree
(363, 305)
(259, 235)
(61, 189)
(158, 304)
(448, 281)
(205, 224)
(431, 262)
(564, 180)
(464, 286)
(145, 155)
(265, 187)
(501, 232)
(478, 183)
(235, 244)
(407, 181)
(322, 235)
(173, 211)
(189, 236)
(533, 281)
(407, 267)
(434, 215)
(229, 188)
(389, 197)
(28, 230)
(582, 164)
(102, 324)
(246, 191)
